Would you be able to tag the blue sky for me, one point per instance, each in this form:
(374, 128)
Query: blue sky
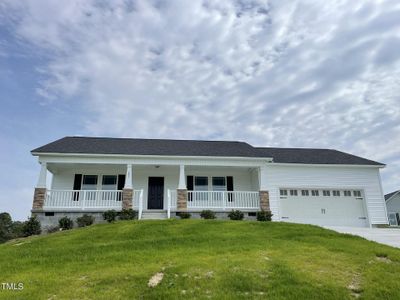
(272, 73)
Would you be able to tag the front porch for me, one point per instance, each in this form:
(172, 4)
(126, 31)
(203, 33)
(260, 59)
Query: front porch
(96, 188)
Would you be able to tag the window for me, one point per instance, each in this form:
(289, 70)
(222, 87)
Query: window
(304, 192)
(336, 193)
(89, 182)
(49, 214)
(219, 183)
(357, 193)
(326, 193)
(315, 193)
(201, 183)
(293, 192)
(283, 192)
(109, 182)
(347, 193)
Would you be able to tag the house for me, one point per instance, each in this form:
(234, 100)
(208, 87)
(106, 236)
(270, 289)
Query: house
(393, 207)
(161, 178)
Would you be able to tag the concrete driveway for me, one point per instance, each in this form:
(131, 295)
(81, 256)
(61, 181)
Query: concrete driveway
(387, 236)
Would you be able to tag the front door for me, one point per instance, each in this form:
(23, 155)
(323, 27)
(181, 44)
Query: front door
(156, 193)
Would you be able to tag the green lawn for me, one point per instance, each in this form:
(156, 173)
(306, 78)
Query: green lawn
(200, 259)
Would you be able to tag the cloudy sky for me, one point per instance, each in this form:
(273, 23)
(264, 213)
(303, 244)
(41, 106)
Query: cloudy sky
(272, 73)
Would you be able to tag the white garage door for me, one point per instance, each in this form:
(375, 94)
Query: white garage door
(323, 207)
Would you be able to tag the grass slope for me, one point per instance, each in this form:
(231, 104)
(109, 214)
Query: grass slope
(200, 259)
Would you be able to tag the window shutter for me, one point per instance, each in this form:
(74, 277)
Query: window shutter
(78, 182)
(189, 183)
(77, 185)
(121, 182)
(229, 183)
(229, 188)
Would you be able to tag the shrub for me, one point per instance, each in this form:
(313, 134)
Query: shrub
(184, 215)
(65, 223)
(207, 214)
(5, 227)
(85, 220)
(31, 227)
(236, 215)
(110, 215)
(264, 215)
(52, 229)
(127, 214)
(17, 229)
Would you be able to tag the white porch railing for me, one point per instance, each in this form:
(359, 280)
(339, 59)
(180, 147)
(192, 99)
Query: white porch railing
(90, 199)
(223, 200)
(83, 199)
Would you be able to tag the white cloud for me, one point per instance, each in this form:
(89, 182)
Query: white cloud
(281, 73)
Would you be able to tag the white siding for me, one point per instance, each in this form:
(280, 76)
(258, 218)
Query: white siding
(366, 179)
(394, 204)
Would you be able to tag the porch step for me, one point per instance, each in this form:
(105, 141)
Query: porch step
(154, 215)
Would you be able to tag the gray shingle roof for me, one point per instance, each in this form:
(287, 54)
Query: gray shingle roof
(390, 195)
(314, 156)
(127, 146)
(96, 145)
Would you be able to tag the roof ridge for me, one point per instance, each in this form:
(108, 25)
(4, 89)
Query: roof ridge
(154, 139)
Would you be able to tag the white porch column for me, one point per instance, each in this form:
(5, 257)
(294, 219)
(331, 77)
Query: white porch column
(42, 176)
(181, 192)
(263, 192)
(127, 192)
(39, 195)
(182, 181)
(262, 176)
(128, 177)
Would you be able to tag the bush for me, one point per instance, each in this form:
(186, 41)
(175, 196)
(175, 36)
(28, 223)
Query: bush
(264, 215)
(127, 214)
(236, 215)
(52, 229)
(207, 214)
(184, 215)
(65, 223)
(5, 227)
(110, 215)
(31, 227)
(17, 229)
(85, 220)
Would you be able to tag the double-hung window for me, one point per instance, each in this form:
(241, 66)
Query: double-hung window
(89, 184)
(219, 183)
(201, 183)
(109, 184)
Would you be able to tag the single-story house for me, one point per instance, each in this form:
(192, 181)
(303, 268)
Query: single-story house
(161, 178)
(393, 207)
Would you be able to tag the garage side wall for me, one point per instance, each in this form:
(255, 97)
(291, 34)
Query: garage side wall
(304, 176)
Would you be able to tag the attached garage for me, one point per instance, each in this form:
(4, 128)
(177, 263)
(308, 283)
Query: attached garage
(323, 207)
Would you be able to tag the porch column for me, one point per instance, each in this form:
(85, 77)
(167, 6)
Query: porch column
(127, 191)
(263, 192)
(40, 189)
(181, 192)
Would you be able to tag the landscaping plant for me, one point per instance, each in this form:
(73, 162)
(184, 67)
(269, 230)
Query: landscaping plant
(65, 223)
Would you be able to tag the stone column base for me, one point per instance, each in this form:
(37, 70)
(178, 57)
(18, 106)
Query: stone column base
(38, 198)
(127, 198)
(264, 200)
(181, 198)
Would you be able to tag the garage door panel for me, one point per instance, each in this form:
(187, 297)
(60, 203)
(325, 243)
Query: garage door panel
(324, 210)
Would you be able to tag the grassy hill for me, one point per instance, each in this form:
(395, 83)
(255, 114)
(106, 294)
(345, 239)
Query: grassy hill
(200, 259)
